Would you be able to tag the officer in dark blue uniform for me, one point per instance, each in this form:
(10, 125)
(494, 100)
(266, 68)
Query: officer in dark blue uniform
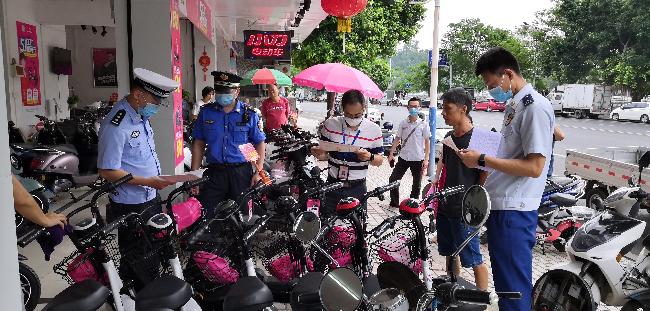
(126, 146)
(224, 125)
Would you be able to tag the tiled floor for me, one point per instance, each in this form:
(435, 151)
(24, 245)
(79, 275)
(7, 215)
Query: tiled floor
(53, 283)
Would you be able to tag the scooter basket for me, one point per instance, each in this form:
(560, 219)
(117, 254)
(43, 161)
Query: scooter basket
(78, 267)
(338, 243)
(142, 263)
(399, 244)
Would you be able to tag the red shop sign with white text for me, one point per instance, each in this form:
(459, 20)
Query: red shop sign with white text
(267, 44)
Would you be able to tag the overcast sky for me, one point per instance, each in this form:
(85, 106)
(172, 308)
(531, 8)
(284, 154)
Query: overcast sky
(504, 14)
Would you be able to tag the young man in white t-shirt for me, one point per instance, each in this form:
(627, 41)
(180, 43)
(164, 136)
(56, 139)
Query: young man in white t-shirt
(208, 95)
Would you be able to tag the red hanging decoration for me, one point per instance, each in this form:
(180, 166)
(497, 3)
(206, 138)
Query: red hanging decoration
(204, 61)
(343, 10)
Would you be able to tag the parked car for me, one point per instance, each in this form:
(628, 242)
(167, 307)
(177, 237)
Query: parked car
(633, 112)
(441, 129)
(489, 105)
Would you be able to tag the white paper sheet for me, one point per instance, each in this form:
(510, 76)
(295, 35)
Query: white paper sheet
(330, 146)
(486, 142)
(189, 176)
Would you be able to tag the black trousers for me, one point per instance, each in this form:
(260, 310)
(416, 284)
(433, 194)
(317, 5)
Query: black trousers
(332, 198)
(226, 184)
(128, 234)
(398, 172)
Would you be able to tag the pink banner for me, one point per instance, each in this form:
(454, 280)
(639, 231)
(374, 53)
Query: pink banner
(30, 84)
(199, 13)
(176, 73)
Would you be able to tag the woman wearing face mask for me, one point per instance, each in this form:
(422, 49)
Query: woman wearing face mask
(223, 126)
(413, 135)
(351, 168)
(126, 146)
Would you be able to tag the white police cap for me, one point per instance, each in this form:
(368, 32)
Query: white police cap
(158, 85)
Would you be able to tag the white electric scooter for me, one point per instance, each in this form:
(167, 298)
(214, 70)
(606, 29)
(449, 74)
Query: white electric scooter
(595, 273)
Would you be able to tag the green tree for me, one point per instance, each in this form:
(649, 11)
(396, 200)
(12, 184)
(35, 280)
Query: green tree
(409, 55)
(376, 32)
(599, 41)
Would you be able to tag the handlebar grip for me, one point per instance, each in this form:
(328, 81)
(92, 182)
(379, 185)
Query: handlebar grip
(309, 298)
(191, 184)
(121, 181)
(116, 223)
(31, 237)
(331, 187)
(509, 295)
(474, 296)
(323, 231)
(258, 225)
(381, 229)
(193, 237)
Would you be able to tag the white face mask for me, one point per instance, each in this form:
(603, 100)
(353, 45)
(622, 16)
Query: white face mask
(353, 122)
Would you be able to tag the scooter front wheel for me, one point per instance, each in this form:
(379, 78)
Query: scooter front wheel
(633, 305)
(30, 286)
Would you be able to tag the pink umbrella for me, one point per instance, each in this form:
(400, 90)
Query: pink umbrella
(336, 77)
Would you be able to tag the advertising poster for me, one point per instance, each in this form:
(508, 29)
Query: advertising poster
(176, 73)
(30, 84)
(199, 13)
(104, 68)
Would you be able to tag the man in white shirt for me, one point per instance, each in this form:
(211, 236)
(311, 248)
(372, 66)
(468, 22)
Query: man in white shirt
(413, 134)
(208, 95)
(351, 168)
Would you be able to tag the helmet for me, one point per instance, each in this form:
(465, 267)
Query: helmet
(388, 125)
(411, 206)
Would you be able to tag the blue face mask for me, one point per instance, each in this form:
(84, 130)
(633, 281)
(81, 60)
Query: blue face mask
(498, 94)
(224, 99)
(148, 110)
(414, 112)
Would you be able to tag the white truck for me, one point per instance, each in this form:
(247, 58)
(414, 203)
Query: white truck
(555, 98)
(586, 100)
(606, 169)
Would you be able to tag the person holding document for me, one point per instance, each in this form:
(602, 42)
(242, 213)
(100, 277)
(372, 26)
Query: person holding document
(351, 168)
(517, 182)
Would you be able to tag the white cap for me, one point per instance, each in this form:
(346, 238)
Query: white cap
(158, 85)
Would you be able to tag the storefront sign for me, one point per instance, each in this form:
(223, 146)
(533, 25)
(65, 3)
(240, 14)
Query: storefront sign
(176, 73)
(30, 84)
(199, 13)
(267, 44)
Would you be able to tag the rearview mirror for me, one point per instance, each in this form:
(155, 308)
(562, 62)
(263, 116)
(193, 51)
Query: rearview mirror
(341, 289)
(307, 226)
(476, 206)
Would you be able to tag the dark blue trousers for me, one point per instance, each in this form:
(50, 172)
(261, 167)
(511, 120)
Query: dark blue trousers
(226, 184)
(511, 238)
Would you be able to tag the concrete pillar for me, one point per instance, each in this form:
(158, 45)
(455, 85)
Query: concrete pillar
(223, 55)
(122, 48)
(151, 45)
(10, 287)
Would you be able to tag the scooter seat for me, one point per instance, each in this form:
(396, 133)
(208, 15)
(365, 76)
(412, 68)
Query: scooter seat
(545, 211)
(164, 292)
(559, 180)
(563, 199)
(249, 293)
(85, 295)
(308, 284)
(64, 148)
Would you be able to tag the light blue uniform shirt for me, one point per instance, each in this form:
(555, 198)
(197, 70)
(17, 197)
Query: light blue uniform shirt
(530, 130)
(127, 144)
(224, 132)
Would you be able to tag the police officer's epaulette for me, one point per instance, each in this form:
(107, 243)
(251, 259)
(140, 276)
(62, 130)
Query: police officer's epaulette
(528, 99)
(247, 107)
(117, 119)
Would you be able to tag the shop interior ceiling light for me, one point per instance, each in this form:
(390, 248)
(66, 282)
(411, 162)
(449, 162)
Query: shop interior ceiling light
(104, 32)
(94, 30)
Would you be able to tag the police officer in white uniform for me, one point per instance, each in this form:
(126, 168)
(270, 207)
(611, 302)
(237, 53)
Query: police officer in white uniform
(519, 176)
(126, 146)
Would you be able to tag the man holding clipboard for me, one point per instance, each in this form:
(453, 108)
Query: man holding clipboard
(351, 168)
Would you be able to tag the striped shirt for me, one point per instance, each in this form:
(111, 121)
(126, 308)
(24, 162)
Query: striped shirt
(369, 138)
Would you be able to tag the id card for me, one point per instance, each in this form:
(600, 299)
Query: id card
(344, 172)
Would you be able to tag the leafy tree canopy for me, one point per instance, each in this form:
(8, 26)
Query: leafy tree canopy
(376, 32)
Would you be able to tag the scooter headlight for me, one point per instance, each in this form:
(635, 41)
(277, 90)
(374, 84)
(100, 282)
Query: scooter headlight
(617, 195)
(583, 241)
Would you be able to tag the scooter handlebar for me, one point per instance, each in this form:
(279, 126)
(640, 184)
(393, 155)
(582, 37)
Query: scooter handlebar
(191, 184)
(31, 237)
(443, 193)
(381, 229)
(476, 296)
(117, 223)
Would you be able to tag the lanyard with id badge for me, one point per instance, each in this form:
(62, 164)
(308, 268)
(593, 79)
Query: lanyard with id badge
(344, 169)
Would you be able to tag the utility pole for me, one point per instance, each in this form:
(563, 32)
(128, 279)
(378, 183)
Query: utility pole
(451, 83)
(433, 92)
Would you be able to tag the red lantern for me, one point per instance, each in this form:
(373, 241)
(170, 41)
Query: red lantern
(343, 10)
(204, 61)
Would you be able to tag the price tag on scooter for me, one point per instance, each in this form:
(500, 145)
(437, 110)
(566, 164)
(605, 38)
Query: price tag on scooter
(313, 205)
